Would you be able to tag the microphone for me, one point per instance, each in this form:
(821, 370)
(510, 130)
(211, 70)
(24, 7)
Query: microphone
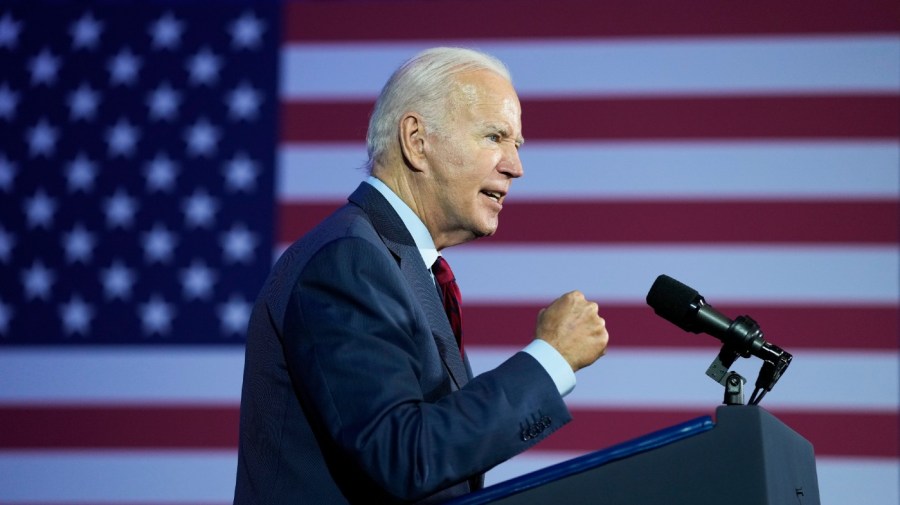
(684, 307)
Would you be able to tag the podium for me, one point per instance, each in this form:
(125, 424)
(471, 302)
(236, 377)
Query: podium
(747, 457)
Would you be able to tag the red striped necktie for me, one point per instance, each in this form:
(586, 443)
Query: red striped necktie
(451, 296)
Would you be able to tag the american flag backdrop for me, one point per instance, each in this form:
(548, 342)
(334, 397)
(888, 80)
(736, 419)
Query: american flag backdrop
(156, 156)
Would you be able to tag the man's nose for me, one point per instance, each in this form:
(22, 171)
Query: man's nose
(511, 164)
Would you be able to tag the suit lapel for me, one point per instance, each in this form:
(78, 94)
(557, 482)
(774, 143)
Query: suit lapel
(399, 241)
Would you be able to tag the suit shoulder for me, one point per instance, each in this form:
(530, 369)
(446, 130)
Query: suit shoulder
(348, 221)
(346, 226)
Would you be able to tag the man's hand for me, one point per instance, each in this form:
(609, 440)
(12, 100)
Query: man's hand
(573, 326)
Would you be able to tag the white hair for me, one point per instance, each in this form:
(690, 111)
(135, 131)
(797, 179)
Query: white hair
(422, 84)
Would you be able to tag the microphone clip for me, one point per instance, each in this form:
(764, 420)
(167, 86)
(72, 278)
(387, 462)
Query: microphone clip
(743, 338)
(772, 369)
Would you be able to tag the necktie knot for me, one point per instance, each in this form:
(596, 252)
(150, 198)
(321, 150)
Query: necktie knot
(450, 295)
(442, 272)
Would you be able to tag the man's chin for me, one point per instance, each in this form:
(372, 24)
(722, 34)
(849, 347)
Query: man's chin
(486, 231)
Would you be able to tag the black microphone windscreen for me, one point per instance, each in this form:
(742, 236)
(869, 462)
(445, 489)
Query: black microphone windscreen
(672, 301)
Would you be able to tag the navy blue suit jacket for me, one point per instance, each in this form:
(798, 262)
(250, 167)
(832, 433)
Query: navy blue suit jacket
(354, 389)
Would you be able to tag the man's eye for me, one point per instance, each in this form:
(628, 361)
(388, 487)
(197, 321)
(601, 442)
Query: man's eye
(494, 137)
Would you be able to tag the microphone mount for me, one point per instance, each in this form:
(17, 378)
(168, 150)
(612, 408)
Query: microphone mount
(743, 338)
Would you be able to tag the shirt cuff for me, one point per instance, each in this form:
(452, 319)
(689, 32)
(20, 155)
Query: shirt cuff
(555, 365)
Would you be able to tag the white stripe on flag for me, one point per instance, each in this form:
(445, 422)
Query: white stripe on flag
(155, 375)
(708, 66)
(771, 274)
(815, 380)
(589, 170)
(117, 476)
(752, 274)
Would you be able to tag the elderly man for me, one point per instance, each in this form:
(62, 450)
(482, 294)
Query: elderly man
(356, 386)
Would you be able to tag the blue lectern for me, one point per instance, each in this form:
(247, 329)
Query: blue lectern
(747, 457)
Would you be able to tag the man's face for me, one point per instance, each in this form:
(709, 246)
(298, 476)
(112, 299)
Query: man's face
(473, 159)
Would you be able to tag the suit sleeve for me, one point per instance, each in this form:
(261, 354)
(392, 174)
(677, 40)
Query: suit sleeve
(360, 354)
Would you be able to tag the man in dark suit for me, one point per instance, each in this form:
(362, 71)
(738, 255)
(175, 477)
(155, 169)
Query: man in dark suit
(355, 387)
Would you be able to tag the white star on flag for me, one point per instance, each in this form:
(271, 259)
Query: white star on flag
(81, 174)
(9, 31)
(44, 68)
(204, 67)
(117, 281)
(78, 244)
(83, 102)
(86, 32)
(166, 32)
(247, 31)
(76, 316)
(8, 101)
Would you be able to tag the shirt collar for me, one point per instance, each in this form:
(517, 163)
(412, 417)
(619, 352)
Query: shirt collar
(413, 224)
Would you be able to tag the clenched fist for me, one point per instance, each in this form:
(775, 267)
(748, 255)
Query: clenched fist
(573, 326)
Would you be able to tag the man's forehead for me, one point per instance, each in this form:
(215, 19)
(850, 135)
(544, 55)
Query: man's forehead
(496, 93)
(470, 82)
(488, 99)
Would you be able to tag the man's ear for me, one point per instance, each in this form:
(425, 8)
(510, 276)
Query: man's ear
(412, 141)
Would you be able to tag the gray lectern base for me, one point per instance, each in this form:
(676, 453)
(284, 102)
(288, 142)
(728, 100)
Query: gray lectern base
(748, 457)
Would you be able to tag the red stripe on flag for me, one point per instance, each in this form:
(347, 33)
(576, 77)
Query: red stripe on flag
(818, 327)
(732, 117)
(644, 222)
(108, 427)
(464, 19)
(697, 221)
(832, 433)
(847, 116)
(152, 427)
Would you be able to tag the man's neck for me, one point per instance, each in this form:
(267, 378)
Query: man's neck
(411, 220)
